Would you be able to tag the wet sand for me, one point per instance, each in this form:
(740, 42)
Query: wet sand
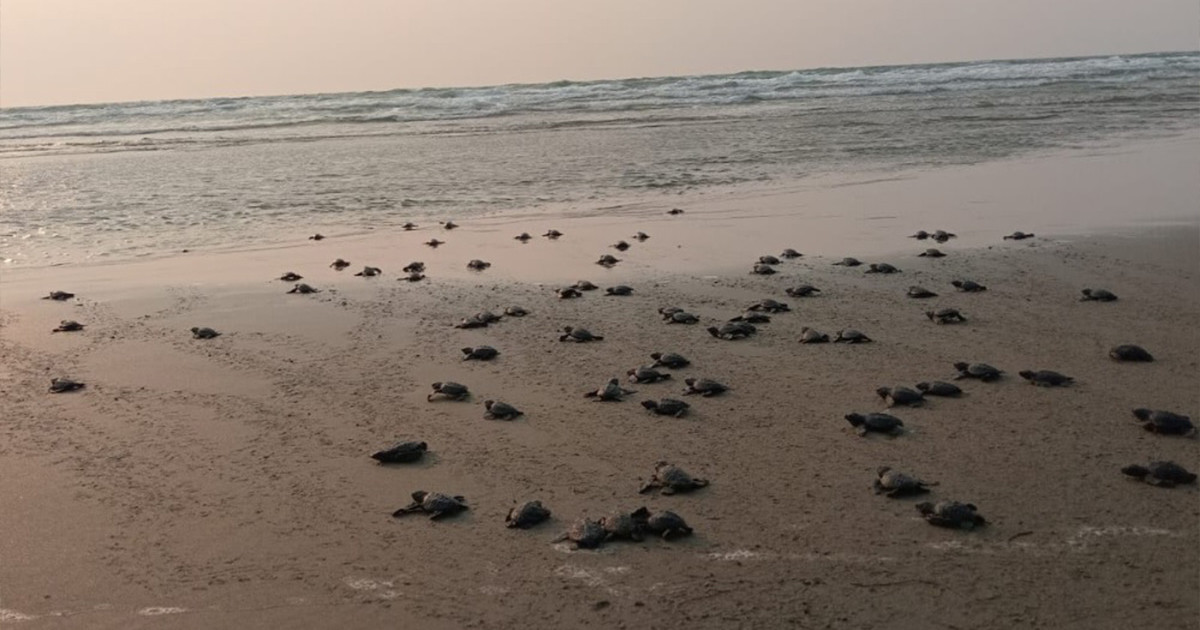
(222, 483)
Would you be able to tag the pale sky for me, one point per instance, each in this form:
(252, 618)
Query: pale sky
(85, 51)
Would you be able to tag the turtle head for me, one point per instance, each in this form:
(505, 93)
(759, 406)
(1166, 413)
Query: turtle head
(656, 355)
(923, 386)
(640, 514)
(419, 496)
(961, 366)
(195, 329)
(467, 350)
(437, 385)
(925, 507)
(882, 470)
(488, 404)
(568, 329)
(690, 381)
(855, 419)
(883, 392)
(712, 330)
(613, 381)
(649, 404)
(1136, 471)
(1141, 413)
(422, 446)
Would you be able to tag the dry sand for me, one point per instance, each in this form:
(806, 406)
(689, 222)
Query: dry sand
(227, 483)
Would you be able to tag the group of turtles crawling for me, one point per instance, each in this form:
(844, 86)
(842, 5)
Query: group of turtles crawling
(670, 479)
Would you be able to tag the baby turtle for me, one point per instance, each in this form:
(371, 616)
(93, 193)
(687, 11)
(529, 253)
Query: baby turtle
(901, 395)
(646, 375)
(487, 316)
(317, 237)
(621, 526)
(752, 317)
(675, 211)
(412, 276)
(768, 260)
(732, 330)
(1161, 474)
(620, 289)
(473, 321)
(1097, 295)
(896, 484)
(849, 262)
(416, 266)
(203, 332)
(811, 335)
(60, 385)
(302, 289)
(666, 524)
(480, 353)
(981, 371)
(449, 389)
(667, 407)
(620, 246)
(516, 311)
(641, 236)
(526, 515)
(665, 311)
(803, 290)
(849, 335)
(585, 285)
(790, 253)
(769, 306)
(703, 386)
(1018, 236)
(552, 234)
(68, 325)
(585, 533)
(875, 422)
(523, 237)
(567, 293)
(762, 270)
(672, 479)
(410, 226)
(945, 316)
(369, 272)
(881, 268)
(435, 504)
(1046, 378)
(1129, 352)
(669, 360)
(578, 335)
(931, 253)
(680, 317)
(951, 514)
(920, 292)
(939, 388)
(59, 296)
(478, 265)
(608, 260)
(497, 410)
(339, 264)
(433, 242)
(402, 453)
(611, 392)
(291, 276)
(968, 286)
(920, 235)
(449, 225)
(1164, 422)
(942, 236)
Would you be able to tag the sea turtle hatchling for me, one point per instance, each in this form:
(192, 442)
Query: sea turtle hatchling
(317, 237)
(732, 330)
(850, 335)
(1161, 474)
(620, 246)
(901, 395)
(61, 385)
(881, 268)
(496, 410)
(608, 260)
(812, 335)
(1046, 378)
(523, 237)
(932, 253)
(450, 390)
(704, 386)
(449, 225)
(291, 276)
(339, 264)
(951, 514)
(58, 296)
(552, 234)
(968, 286)
(680, 317)
(434, 243)
(768, 260)
(578, 335)
(1164, 422)
(1097, 295)
(68, 325)
(204, 332)
(941, 236)
(641, 236)
(762, 270)
(666, 523)
(412, 276)
(303, 289)
(675, 211)
(919, 292)
(409, 226)
(768, 305)
(920, 235)
(526, 515)
(584, 533)
(981, 371)
(669, 360)
(621, 526)
(473, 321)
(667, 407)
(416, 265)
(1130, 352)
(478, 265)
(790, 253)
(369, 272)
(611, 392)
(945, 316)
(585, 285)
(1018, 236)
(752, 317)
(435, 504)
(875, 423)
(620, 289)
(646, 375)
(516, 311)
(849, 261)
(939, 388)
(403, 453)
(672, 479)
(803, 290)
(480, 353)
(896, 484)
(567, 293)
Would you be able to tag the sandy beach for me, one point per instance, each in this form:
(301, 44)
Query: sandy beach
(228, 483)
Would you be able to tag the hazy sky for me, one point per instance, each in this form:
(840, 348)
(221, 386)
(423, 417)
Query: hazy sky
(77, 51)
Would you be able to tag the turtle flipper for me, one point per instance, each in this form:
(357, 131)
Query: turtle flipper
(699, 483)
(560, 538)
(648, 487)
(878, 487)
(668, 490)
(408, 509)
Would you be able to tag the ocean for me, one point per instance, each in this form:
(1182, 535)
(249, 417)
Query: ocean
(83, 183)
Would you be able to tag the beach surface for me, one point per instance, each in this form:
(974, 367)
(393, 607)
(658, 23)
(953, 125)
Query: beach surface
(228, 483)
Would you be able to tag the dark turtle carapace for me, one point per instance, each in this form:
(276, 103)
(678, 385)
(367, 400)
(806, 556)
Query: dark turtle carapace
(435, 504)
(402, 453)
